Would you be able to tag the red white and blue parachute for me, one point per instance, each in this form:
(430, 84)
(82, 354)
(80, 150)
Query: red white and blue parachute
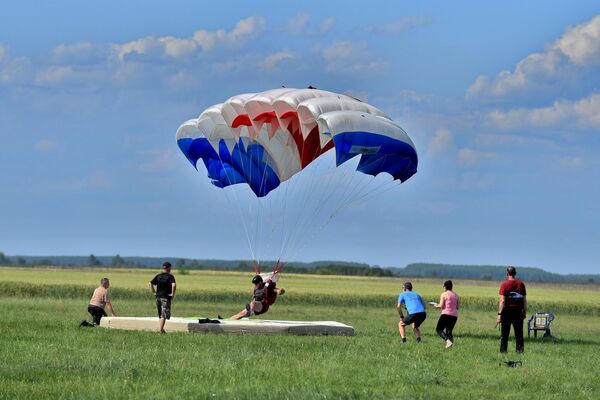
(263, 139)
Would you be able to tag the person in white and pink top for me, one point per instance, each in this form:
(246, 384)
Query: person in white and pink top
(449, 305)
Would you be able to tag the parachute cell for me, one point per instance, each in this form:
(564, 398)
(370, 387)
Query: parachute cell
(263, 139)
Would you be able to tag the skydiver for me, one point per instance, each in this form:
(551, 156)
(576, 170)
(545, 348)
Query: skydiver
(265, 294)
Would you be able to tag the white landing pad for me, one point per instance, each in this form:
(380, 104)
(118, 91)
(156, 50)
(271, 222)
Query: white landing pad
(254, 326)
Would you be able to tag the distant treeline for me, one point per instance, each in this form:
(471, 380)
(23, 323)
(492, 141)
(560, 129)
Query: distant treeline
(428, 270)
(491, 272)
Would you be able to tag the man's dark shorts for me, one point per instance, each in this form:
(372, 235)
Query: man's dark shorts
(163, 306)
(416, 318)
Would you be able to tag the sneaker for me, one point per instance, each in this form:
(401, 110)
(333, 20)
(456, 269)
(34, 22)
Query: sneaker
(403, 341)
(419, 339)
(448, 344)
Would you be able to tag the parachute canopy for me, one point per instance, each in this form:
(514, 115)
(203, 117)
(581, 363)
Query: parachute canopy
(263, 139)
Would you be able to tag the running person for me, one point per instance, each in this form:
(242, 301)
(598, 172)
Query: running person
(265, 294)
(449, 306)
(415, 309)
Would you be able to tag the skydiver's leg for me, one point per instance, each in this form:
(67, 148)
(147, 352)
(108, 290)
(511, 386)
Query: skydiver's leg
(251, 308)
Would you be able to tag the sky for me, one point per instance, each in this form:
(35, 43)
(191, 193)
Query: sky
(501, 100)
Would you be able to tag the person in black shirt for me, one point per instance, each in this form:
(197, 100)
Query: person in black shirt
(163, 287)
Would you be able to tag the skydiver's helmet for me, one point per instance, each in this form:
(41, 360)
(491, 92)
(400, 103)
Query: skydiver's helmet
(257, 279)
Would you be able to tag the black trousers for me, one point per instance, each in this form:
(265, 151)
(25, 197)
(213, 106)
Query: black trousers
(445, 325)
(97, 313)
(514, 317)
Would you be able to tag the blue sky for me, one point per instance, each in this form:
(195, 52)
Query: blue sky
(502, 102)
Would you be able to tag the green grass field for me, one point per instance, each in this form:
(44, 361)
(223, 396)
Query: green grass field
(45, 355)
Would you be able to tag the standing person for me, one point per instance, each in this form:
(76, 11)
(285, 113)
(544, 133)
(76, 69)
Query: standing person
(512, 310)
(415, 309)
(163, 286)
(449, 306)
(98, 303)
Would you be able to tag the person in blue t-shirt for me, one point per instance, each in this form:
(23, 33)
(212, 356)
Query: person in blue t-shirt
(415, 309)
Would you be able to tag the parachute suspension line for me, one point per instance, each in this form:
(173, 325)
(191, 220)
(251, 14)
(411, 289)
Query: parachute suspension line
(354, 194)
(259, 222)
(313, 201)
(283, 215)
(378, 191)
(277, 269)
(237, 202)
(256, 266)
(304, 205)
(330, 189)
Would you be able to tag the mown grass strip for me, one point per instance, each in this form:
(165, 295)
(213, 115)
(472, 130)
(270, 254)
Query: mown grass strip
(71, 291)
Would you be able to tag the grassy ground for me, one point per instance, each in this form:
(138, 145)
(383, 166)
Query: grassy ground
(44, 355)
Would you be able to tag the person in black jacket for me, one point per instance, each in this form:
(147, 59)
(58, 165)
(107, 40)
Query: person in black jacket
(163, 287)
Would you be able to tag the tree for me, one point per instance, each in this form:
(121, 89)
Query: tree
(180, 263)
(194, 264)
(4, 260)
(118, 261)
(93, 261)
(21, 261)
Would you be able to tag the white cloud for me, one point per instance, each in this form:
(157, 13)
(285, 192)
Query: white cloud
(400, 25)
(581, 113)
(581, 43)
(52, 75)
(571, 162)
(79, 52)
(476, 180)
(274, 59)
(13, 70)
(348, 57)
(577, 48)
(468, 157)
(327, 24)
(534, 71)
(299, 24)
(441, 142)
(439, 207)
(158, 161)
(3, 51)
(170, 46)
(509, 140)
(44, 145)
